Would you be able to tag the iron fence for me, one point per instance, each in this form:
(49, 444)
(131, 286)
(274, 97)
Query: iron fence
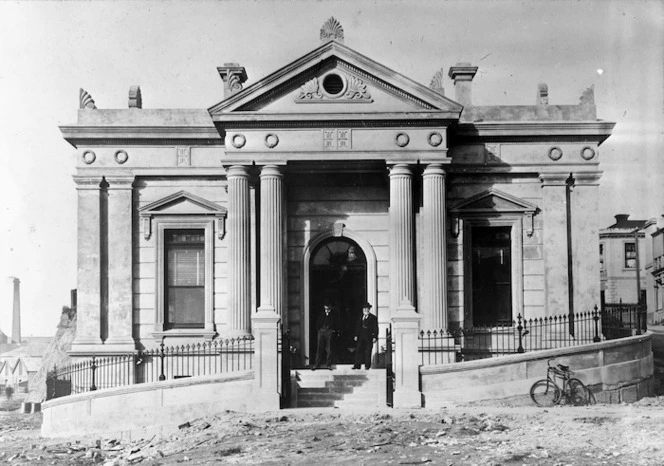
(522, 335)
(158, 364)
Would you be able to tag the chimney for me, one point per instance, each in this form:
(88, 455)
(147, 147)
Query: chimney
(135, 98)
(463, 74)
(542, 94)
(233, 76)
(16, 315)
(620, 218)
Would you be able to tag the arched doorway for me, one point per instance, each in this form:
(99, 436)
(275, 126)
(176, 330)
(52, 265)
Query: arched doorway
(338, 276)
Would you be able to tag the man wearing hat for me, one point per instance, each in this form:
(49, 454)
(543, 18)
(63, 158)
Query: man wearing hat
(366, 334)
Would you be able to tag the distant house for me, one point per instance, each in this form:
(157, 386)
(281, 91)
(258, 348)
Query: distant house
(654, 246)
(618, 261)
(19, 366)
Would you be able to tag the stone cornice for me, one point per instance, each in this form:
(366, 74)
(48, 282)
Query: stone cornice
(596, 131)
(554, 179)
(311, 120)
(78, 135)
(587, 178)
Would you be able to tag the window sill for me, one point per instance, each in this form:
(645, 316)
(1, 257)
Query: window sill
(185, 333)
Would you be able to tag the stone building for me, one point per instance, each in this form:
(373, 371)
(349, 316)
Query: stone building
(654, 268)
(618, 249)
(332, 179)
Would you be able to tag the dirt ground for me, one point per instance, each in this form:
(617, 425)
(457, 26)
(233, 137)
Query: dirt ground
(510, 432)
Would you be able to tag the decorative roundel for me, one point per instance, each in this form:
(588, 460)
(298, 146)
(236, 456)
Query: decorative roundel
(89, 157)
(271, 140)
(238, 141)
(402, 139)
(587, 153)
(555, 153)
(435, 139)
(121, 156)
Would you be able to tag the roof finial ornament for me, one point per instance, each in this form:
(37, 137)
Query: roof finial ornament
(437, 82)
(331, 30)
(85, 100)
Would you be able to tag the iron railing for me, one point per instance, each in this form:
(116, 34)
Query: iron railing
(285, 351)
(522, 335)
(158, 364)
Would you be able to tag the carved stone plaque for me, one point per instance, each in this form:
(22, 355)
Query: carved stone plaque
(183, 156)
(337, 139)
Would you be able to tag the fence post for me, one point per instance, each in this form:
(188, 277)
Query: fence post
(405, 327)
(54, 383)
(265, 327)
(161, 360)
(596, 338)
(519, 329)
(93, 366)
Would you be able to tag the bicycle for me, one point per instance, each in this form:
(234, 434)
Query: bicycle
(547, 392)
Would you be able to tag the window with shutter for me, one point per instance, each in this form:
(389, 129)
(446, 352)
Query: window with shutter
(184, 252)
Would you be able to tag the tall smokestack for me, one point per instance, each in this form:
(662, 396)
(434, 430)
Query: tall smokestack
(16, 315)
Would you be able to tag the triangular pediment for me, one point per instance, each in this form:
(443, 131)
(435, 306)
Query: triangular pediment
(493, 200)
(334, 79)
(182, 203)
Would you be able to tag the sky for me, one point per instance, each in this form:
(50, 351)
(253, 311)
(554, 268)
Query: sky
(48, 50)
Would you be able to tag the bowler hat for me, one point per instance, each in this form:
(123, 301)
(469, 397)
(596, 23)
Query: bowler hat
(366, 305)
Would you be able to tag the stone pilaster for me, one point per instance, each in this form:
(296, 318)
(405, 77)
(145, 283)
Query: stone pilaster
(434, 235)
(555, 244)
(265, 327)
(402, 266)
(405, 330)
(271, 240)
(120, 266)
(239, 237)
(585, 240)
(88, 308)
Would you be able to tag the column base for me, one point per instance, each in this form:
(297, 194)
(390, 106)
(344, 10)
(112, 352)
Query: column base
(117, 346)
(407, 399)
(81, 349)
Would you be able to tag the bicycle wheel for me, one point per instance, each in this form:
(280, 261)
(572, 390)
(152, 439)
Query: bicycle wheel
(579, 394)
(545, 393)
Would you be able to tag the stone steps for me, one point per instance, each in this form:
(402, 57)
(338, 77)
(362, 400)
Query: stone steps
(339, 387)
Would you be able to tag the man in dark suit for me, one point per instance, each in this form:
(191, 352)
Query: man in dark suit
(326, 325)
(366, 334)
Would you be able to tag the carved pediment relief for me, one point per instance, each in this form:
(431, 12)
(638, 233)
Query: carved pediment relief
(334, 87)
(182, 203)
(493, 201)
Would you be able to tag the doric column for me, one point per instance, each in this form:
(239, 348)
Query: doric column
(120, 273)
(239, 237)
(271, 237)
(585, 240)
(402, 236)
(555, 244)
(88, 308)
(434, 313)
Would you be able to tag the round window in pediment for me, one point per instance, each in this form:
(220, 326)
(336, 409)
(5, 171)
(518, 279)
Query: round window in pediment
(333, 84)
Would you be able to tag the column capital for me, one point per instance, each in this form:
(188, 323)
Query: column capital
(237, 171)
(87, 182)
(120, 182)
(554, 179)
(400, 169)
(587, 178)
(274, 171)
(434, 169)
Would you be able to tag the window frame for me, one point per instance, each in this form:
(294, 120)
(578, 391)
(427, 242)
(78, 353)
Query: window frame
(190, 223)
(515, 222)
(625, 266)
